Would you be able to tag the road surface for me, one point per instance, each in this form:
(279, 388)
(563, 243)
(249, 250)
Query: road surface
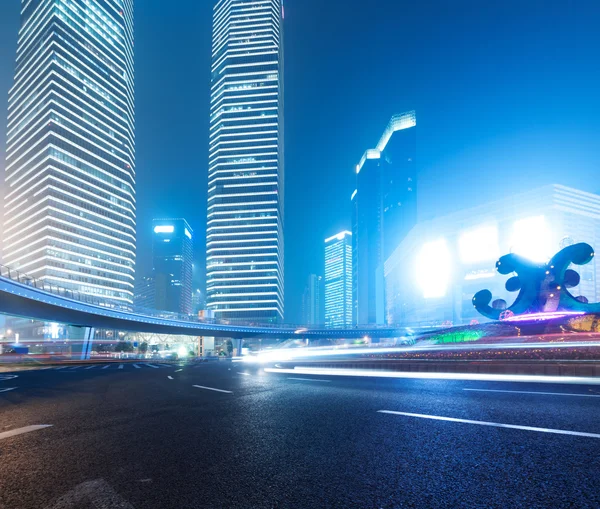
(226, 435)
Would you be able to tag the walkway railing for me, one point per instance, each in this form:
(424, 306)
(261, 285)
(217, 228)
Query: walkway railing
(89, 299)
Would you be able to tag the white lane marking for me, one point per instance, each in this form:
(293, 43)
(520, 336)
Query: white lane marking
(242, 373)
(170, 377)
(92, 367)
(583, 380)
(8, 389)
(151, 365)
(8, 377)
(212, 389)
(97, 493)
(120, 366)
(536, 392)
(137, 367)
(20, 431)
(74, 367)
(178, 370)
(106, 367)
(308, 379)
(494, 424)
(62, 367)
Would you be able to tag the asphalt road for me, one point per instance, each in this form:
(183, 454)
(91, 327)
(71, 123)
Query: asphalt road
(162, 437)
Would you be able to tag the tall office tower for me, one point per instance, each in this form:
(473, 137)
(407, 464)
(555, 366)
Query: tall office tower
(245, 170)
(338, 280)
(144, 292)
(69, 208)
(385, 209)
(312, 301)
(172, 255)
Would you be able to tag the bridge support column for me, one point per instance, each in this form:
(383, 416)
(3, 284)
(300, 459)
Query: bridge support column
(82, 339)
(238, 342)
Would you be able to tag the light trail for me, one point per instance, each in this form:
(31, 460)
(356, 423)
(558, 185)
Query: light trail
(367, 373)
(307, 353)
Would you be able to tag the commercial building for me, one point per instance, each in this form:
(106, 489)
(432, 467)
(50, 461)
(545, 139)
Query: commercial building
(434, 272)
(312, 301)
(172, 256)
(246, 164)
(144, 292)
(338, 280)
(385, 209)
(69, 206)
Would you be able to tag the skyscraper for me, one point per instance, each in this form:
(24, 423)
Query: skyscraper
(385, 209)
(245, 171)
(144, 292)
(69, 208)
(312, 301)
(338, 280)
(172, 255)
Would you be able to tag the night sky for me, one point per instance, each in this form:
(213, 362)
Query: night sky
(506, 94)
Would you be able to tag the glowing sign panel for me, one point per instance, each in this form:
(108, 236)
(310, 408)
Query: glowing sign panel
(479, 245)
(532, 239)
(164, 229)
(434, 269)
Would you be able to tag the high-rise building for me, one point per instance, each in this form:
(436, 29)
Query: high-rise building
(338, 280)
(143, 295)
(245, 171)
(69, 208)
(312, 301)
(385, 209)
(172, 255)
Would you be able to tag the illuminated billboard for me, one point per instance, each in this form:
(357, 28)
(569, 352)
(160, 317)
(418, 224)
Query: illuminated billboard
(479, 245)
(532, 239)
(434, 268)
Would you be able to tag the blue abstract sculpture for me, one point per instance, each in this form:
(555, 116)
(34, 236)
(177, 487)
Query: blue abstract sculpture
(541, 287)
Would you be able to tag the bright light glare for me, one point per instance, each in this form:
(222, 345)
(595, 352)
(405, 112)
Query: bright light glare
(164, 229)
(436, 376)
(532, 239)
(479, 245)
(182, 352)
(434, 268)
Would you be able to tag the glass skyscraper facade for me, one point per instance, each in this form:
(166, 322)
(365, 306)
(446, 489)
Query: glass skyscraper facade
(246, 172)
(69, 208)
(385, 210)
(173, 255)
(338, 280)
(312, 301)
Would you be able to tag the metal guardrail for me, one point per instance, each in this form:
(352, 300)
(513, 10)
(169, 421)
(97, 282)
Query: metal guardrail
(89, 299)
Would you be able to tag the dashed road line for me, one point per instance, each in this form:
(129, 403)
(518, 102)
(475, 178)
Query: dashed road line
(151, 365)
(494, 424)
(92, 367)
(8, 389)
(242, 373)
(20, 431)
(106, 367)
(170, 377)
(120, 366)
(212, 389)
(137, 366)
(308, 379)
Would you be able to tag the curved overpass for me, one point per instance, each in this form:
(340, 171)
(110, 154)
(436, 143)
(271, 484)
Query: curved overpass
(26, 301)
